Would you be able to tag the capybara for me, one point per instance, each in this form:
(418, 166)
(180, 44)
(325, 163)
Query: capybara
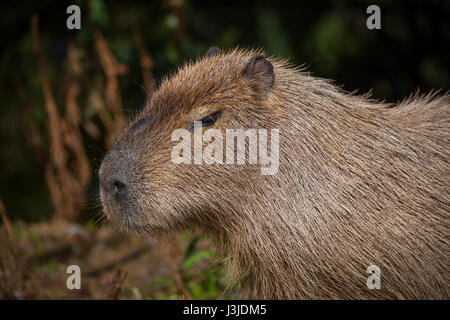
(359, 182)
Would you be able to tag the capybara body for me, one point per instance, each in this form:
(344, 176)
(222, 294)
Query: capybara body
(359, 182)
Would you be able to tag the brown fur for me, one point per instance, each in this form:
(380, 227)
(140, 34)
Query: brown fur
(360, 182)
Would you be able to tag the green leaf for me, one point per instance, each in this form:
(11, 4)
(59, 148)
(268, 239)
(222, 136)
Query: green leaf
(196, 257)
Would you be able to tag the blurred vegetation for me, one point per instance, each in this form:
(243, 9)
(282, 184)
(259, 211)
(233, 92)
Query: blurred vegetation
(64, 91)
(113, 266)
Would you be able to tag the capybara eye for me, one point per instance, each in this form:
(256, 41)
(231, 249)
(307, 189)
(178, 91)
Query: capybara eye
(210, 119)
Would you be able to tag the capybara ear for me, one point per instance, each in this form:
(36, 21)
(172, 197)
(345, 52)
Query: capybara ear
(261, 70)
(213, 51)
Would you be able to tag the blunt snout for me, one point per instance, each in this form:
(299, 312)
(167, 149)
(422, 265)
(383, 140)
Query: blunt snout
(113, 180)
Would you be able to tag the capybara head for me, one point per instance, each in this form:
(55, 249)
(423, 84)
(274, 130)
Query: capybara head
(141, 187)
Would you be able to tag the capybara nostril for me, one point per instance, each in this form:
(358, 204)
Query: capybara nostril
(119, 189)
(113, 188)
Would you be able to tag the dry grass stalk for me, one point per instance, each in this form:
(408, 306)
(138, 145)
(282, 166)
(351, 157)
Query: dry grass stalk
(175, 259)
(116, 284)
(73, 137)
(64, 209)
(113, 69)
(68, 173)
(146, 61)
(7, 223)
(14, 282)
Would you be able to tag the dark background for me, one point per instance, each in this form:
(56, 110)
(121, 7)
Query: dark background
(330, 38)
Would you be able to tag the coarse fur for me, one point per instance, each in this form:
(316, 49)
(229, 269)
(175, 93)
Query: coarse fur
(360, 182)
